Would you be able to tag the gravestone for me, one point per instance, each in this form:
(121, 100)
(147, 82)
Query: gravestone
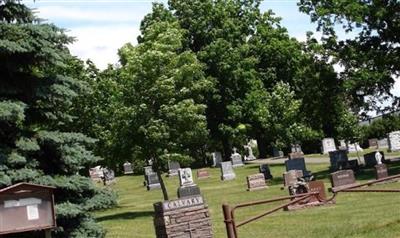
(370, 158)
(317, 186)
(187, 217)
(147, 171)
(173, 167)
(328, 145)
(187, 188)
(250, 155)
(108, 176)
(295, 148)
(337, 159)
(152, 181)
(342, 145)
(381, 171)
(383, 143)
(264, 169)
(227, 172)
(394, 141)
(276, 152)
(236, 159)
(128, 168)
(296, 155)
(342, 179)
(291, 177)
(217, 159)
(354, 147)
(373, 143)
(256, 182)
(297, 164)
(96, 173)
(203, 174)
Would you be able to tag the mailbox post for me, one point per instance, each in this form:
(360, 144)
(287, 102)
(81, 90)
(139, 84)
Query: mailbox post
(27, 207)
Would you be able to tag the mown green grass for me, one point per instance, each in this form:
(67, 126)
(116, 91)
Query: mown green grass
(354, 215)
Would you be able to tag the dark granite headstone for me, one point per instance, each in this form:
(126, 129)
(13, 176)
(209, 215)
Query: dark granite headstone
(188, 191)
(370, 160)
(173, 167)
(152, 181)
(227, 172)
(381, 171)
(256, 182)
(276, 152)
(337, 158)
(297, 164)
(264, 169)
(342, 179)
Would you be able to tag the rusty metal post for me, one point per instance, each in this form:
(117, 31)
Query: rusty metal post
(230, 230)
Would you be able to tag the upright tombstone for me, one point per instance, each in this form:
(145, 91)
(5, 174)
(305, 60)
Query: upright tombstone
(256, 182)
(342, 145)
(147, 171)
(203, 174)
(394, 141)
(217, 159)
(342, 179)
(187, 187)
(355, 147)
(227, 172)
(297, 164)
(373, 143)
(370, 159)
(250, 155)
(236, 159)
(183, 217)
(328, 145)
(383, 143)
(276, 152)
(381, 171)
(96, 173)
(26, 207)
(291, 177)
(128, 168)
(173, 168)
(295, 148)
(338, 159)
(108, 176)
(152, 181)
(264, 169)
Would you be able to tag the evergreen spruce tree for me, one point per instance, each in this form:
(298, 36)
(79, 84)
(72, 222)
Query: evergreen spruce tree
(35, 144)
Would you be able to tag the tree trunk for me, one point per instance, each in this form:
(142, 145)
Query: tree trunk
(262, 147)
(163, 188)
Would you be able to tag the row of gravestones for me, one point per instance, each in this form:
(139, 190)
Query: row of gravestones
(99, 174)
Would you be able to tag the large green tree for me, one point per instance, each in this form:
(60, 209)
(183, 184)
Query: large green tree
(36, 95)
(163, 88)
(371, 59)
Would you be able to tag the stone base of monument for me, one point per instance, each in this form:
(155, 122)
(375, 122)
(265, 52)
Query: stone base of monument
(172, 173)
(184, 217)
(153, 186)
(188, 191)
(312, 186)
(228, 177)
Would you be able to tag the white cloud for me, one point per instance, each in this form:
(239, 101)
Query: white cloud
(101, 43)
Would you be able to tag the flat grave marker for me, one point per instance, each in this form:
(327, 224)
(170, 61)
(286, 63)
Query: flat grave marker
(203, 174)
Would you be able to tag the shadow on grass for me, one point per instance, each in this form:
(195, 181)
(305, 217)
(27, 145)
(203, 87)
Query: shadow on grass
(125, 216)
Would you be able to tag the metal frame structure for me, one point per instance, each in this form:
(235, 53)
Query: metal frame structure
(229, 211)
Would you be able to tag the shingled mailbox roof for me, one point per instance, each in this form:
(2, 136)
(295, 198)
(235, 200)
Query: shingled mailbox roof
(26, 207)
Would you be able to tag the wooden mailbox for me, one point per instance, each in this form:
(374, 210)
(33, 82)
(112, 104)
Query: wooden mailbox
(26, 207)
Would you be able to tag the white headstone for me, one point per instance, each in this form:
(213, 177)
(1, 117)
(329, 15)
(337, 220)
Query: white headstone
(394, 141)
(378, 157)
(328, 145)
(227, 172)
(236, 159)
(185, 176)
(354, 147)
(250, 151)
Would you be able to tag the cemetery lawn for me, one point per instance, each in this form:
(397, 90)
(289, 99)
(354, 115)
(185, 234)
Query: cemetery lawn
(354, 215)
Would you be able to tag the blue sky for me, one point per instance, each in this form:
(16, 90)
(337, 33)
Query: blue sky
(101, 27)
